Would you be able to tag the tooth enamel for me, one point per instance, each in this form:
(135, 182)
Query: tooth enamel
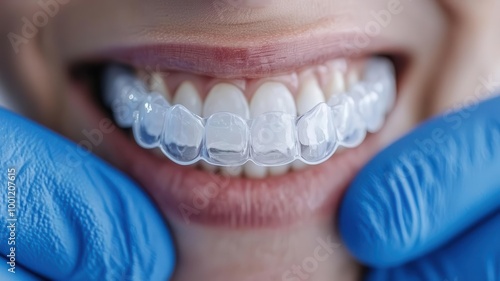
(182, 136)
(149, 120)
(380, 73)
(273, 139)
(316, 134)
(298, 165)
(226, 98)
(370, 106)
(279, 170)
(157, 84)
(188, 96)
(310, 95)
(273, 132)
(352, 78)
(123, 92)
(115, 78)
(336, 84)
(351, 130)
(253, 171)
(234, 171)
(270, 97)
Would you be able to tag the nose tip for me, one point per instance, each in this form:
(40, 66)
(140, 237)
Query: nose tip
(249, 3)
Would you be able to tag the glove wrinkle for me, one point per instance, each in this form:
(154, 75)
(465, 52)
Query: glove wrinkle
(78, 218)
(424, 189)
(470, 257)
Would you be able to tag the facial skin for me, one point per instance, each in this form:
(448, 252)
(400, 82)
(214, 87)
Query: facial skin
(449, 46)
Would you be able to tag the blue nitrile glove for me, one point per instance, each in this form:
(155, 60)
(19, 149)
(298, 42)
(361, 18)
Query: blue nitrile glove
(77, 217)
(428, 206)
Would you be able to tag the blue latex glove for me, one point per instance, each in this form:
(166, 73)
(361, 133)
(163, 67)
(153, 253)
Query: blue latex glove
(77, 217)
(428, 206)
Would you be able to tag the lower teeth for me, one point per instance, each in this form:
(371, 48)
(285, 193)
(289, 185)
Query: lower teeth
(270, 139)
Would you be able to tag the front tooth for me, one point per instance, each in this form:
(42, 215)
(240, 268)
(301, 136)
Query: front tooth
(188, 96)
(254, 171)
(157, 84)
(310, 95)
(269, 97)
(272, 96)
(298, 165)
(234, 171)
(225, 97)
(182, 137)
(336, 84)
(279, 170)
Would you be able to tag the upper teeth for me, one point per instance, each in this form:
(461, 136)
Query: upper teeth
(188, 96)
(226, 97)
(227, 131)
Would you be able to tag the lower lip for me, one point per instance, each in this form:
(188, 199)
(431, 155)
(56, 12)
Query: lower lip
(197, 196)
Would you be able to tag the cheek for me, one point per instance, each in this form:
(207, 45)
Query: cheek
(471, 11)
(35, 83)
(30, 73)
(77, 117)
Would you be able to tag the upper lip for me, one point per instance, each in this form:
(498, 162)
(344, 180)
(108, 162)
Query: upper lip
(247, 59)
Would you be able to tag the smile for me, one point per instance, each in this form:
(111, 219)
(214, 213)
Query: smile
(282, 130)
(251, 151)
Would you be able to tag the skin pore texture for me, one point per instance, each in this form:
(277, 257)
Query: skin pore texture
(448, 47)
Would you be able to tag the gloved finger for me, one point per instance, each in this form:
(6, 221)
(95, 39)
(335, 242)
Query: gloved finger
(14, 271)
(473, 256)
(77, 218)
(426, 188)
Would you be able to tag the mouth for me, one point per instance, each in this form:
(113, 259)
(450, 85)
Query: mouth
(248, 151)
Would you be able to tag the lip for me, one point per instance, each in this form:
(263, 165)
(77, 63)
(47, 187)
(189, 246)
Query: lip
(247, 59)
(195, 196)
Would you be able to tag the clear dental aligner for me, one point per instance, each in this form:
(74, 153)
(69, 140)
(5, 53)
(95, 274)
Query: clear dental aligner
(270, 139)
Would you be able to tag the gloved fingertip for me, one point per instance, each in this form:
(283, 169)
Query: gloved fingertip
(362, 229)
(416, 194)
